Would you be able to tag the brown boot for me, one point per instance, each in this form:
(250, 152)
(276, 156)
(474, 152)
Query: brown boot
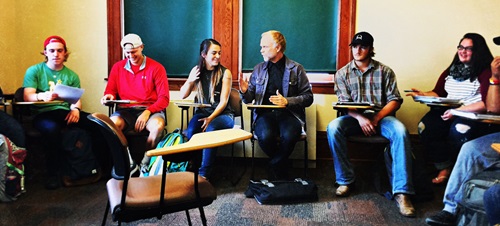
(404, 204)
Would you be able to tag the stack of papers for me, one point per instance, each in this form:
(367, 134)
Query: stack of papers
(68, 93)
(476, 116)
(440, 100)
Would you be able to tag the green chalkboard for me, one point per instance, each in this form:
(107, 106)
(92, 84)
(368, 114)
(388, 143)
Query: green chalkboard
(310, 29)
(171, 30)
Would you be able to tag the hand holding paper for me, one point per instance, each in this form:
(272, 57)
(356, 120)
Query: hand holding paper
(68, 93)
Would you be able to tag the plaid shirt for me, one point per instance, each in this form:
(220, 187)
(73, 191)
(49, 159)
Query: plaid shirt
(377, 85)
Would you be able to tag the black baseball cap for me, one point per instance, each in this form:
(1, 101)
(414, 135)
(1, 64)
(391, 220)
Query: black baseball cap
(362, 38)
(497, 40)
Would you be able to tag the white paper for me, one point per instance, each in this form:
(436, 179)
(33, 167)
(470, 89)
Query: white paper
(68, 93)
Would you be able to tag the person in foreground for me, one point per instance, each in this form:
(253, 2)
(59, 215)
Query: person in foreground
(466, 79)
(143, 80)
(474, 157)
(283, 82)
(367, 80)
(50, 119)
(212, 81)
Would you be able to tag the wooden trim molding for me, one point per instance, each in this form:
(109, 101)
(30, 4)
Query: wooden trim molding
(346, 31)
(225, 27)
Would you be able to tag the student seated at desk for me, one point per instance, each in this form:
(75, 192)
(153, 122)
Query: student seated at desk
(277, 81)
(367, 80)
(51, 119)
(475, 156)
(212, 82)
(143, 80)
(465, 79)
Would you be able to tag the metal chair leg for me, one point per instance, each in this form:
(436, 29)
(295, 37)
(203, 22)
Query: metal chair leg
(106, 213)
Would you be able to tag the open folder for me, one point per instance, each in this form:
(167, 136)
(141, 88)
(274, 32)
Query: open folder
(476, 116)
(68, 94)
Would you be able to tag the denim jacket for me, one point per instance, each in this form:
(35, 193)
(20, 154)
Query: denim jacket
(296, 88)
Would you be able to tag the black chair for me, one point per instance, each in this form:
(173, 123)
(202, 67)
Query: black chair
(135, 198)
(303, 137)
(236, 104)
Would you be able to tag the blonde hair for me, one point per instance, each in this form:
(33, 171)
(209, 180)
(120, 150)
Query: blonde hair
(278, 38)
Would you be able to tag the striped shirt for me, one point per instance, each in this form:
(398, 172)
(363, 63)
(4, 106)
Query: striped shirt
(377, 85)
(468, 92)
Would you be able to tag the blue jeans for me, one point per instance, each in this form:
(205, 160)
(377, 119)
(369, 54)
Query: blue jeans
(269, 126)
(441, 139)
(398, 157)
(475, 156)
(492, 204)
(224, 121)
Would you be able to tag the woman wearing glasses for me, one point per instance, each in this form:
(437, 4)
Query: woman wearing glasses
(466, 79)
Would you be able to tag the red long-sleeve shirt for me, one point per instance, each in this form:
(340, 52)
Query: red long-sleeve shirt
(149, 86)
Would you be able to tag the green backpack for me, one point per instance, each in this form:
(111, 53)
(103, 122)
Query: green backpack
(156, 162)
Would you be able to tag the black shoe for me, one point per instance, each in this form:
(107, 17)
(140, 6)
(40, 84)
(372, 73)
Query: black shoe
(442, 218)
(52, 183)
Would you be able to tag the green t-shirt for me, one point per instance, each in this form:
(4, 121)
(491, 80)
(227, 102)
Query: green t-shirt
(39, 76)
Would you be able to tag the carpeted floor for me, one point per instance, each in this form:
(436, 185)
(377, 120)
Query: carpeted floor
(85, 205)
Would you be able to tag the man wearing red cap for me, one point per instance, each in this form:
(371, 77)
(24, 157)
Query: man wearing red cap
(39, 82)
(140, 79)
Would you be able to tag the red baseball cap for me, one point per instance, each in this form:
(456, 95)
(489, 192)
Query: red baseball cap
(53, 38)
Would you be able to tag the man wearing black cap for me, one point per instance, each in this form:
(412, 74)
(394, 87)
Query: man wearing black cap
(474, 157)
(367, 80)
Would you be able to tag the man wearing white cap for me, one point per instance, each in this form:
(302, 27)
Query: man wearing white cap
(143, 80)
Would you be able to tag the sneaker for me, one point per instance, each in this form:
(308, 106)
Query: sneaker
(144, 171)
(134, 170)
(441, 218)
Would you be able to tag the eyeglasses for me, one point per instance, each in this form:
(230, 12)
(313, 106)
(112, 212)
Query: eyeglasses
(468, 48)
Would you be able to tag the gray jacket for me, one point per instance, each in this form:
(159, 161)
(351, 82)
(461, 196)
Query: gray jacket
(296, 88)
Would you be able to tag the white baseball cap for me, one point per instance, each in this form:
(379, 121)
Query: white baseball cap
(131, 39)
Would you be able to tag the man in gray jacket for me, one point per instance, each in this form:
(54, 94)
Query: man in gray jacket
(282, 82)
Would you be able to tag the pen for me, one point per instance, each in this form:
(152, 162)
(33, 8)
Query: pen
(409, 90)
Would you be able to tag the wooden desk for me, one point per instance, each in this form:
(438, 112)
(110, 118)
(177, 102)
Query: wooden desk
(204, 140)
(184, 106)
(38, 102)
(269, 106)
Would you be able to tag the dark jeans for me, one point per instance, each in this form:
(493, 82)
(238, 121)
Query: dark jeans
(223, 121)
(274, 124)
(441, 139)
(51, 125)
(11, 128)
(492, 204)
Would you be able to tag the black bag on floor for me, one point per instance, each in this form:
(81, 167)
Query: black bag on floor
(280, 192)
(471, 208)
(80, 161)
